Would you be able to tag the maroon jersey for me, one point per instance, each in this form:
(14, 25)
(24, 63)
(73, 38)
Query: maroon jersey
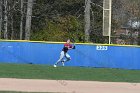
(66, 47)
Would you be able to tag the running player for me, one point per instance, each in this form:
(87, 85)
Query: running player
(64, 54)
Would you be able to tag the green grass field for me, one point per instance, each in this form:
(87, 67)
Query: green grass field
(31, 71)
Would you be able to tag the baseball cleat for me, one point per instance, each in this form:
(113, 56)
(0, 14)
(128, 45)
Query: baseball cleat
(54, 66)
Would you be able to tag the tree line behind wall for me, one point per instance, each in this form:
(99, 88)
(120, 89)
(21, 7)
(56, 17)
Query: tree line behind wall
(49, 20)
(15, 19)
(57, 20)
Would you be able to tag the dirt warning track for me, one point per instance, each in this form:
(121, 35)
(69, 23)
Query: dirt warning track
(66, 86)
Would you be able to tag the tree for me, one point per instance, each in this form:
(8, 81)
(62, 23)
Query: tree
(87, 19)
(126, 14)
(21, 19)
(1, 17)
(28, 20)
(65, 15)
(5, 20)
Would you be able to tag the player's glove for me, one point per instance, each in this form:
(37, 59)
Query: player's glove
(73, 47)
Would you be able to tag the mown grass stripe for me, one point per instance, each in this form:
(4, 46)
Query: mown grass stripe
(31, 71)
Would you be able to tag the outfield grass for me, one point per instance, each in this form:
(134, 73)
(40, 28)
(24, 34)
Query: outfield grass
(31, 71)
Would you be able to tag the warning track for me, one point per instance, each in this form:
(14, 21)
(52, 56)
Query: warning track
(66, 86)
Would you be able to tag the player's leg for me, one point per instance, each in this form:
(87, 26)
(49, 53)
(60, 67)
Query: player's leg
(60, 58)
(67, 57)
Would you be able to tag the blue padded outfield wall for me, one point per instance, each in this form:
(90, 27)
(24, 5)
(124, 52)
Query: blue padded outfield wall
(87, 55)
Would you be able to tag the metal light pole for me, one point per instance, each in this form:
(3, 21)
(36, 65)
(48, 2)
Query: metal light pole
(107, 6)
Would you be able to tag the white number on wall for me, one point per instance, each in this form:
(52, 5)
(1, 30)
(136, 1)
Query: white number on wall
(101, 47)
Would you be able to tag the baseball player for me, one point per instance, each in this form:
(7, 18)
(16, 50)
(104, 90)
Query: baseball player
(64, 54)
